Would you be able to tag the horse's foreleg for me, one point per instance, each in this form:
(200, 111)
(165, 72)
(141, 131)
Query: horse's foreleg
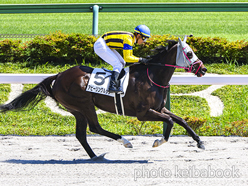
(184, 124)
(125, 142)
(152, 115)
(81, 125)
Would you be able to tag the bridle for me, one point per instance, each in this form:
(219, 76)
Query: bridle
(188, 68)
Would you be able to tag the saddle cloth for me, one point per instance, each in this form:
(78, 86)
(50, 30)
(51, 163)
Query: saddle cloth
(100, 79)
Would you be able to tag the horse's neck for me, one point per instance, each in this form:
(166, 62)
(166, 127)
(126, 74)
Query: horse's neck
(163, 74)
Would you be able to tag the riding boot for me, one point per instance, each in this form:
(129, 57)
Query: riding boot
(114, 86)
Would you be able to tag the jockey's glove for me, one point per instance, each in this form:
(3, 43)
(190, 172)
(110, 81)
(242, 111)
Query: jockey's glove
(144, 60)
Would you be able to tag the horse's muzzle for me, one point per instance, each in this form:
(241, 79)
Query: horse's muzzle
(202, 71)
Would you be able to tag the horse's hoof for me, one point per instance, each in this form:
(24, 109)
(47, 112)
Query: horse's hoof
(200, 145)
(128, 145)
(99, 158)
(156, 143)
(125, 142)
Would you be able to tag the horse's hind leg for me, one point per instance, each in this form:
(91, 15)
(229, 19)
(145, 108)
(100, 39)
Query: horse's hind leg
(184, 124)
(96, 128)
(81, 125)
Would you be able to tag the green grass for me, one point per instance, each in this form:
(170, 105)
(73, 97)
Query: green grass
(107, 1)
(230, 25)
(227, 68)
(33, 122)
(26, 67)
(176, 89)
(4, 89)
(29, 67)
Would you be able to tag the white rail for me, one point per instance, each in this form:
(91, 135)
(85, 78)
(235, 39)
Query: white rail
(22, 78)
(208, 79)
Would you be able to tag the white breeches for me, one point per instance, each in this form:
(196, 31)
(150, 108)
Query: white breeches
(111, 56)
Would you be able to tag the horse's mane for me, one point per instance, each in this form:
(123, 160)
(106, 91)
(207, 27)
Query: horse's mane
(161, 50)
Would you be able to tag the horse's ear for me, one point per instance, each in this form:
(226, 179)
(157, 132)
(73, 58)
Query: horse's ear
(171, 43)
(180, 41)
(185, 39)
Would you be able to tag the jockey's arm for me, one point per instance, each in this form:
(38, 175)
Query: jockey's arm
(129, 57)
(128, 51)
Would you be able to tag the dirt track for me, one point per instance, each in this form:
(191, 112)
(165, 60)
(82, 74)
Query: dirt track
(56, 160)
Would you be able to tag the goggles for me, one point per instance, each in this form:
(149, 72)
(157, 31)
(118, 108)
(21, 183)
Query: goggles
(144, 38)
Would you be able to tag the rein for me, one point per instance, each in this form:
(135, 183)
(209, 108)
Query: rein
(189, 69)
(156, 83)
(188, 65)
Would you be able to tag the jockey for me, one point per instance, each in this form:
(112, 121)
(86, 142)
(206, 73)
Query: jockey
(105, 47)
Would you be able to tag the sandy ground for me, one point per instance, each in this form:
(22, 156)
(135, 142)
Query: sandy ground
(56, 160)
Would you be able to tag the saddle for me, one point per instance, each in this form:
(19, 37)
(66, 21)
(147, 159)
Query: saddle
(100, 79)
(99, 83)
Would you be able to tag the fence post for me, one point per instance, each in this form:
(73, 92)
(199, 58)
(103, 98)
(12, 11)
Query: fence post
(167, 105)
(95, 20)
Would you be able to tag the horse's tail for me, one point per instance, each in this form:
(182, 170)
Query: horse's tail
(30, 98)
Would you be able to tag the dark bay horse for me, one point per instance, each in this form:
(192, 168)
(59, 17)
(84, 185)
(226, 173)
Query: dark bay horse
(145, 96)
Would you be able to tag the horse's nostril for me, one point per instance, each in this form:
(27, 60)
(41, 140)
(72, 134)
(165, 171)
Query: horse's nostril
(204, 69)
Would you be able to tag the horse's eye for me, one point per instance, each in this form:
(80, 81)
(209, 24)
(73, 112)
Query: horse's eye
(190, 55)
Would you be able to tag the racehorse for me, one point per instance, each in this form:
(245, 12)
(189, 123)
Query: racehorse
(145, 95)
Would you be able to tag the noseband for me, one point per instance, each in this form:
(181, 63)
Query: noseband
(189, 69)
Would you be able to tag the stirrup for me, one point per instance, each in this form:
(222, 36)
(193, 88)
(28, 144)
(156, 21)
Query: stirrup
(107, 70)
(115, 90)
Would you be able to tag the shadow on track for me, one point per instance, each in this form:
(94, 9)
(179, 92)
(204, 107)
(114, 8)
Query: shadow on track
(77, 161)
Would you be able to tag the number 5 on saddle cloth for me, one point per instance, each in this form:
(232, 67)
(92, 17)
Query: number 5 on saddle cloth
(99, 83)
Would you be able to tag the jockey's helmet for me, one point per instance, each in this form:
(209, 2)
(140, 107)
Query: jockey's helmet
(143, 30)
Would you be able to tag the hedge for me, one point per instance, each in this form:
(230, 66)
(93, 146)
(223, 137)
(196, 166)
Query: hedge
(69, 48)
